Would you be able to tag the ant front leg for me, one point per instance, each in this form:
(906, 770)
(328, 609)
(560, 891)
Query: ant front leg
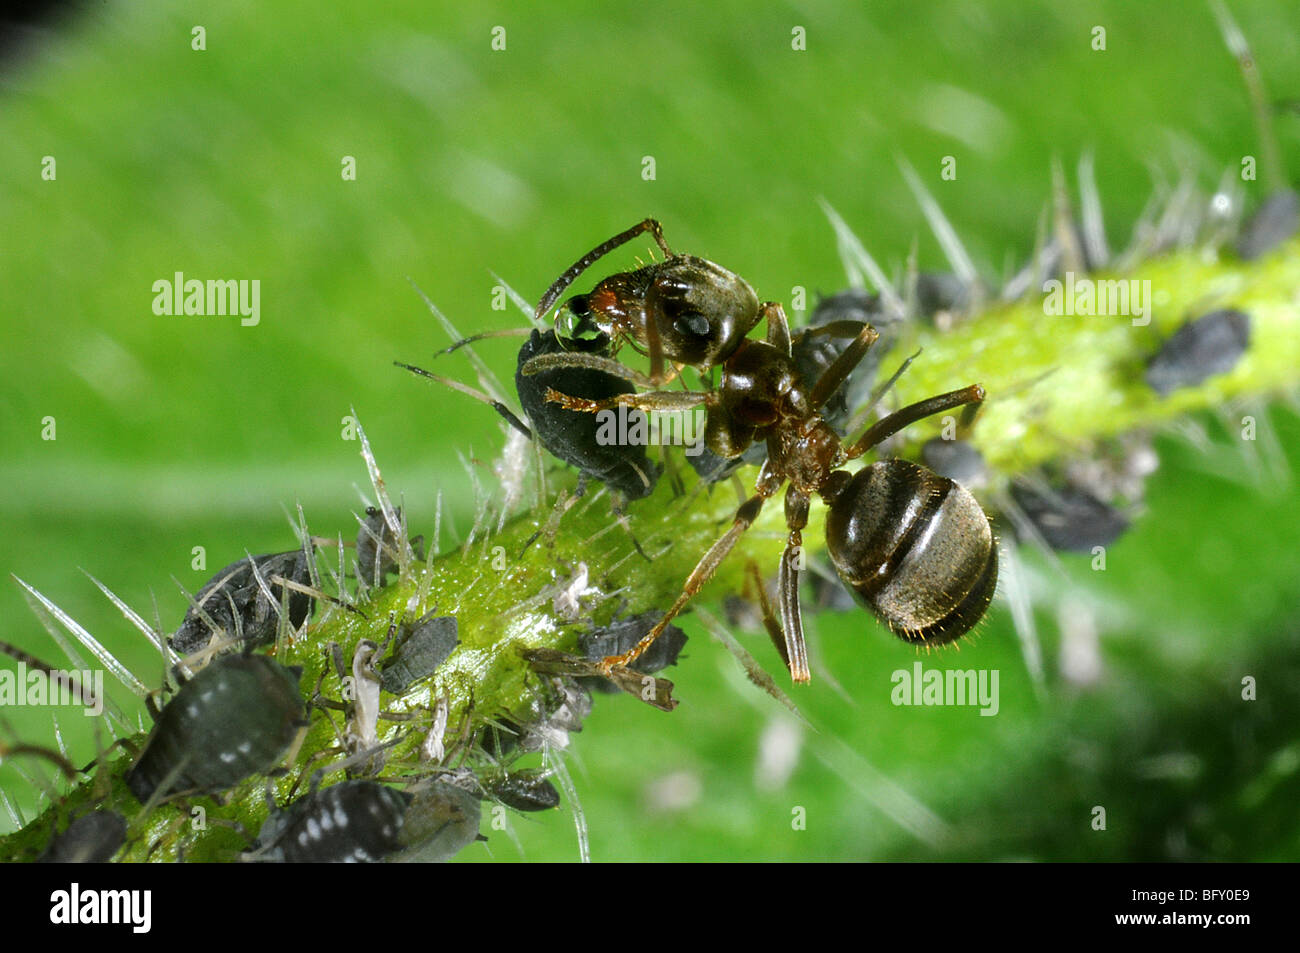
(970, 397)
(593, 362)
(778, 326)
(844, 365)
(768, 483)
(661, 401)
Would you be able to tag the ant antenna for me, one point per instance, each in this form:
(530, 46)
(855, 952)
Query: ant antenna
(600, 251)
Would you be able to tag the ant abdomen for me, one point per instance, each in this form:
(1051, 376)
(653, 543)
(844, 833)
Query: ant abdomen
(916, 549)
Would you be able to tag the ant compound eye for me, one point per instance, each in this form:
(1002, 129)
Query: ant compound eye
(693, 323)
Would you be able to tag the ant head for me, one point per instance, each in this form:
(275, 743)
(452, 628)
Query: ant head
(701, 311)
(582, 324)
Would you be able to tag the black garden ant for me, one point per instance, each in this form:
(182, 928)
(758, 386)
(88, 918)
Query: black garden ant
(915, 547)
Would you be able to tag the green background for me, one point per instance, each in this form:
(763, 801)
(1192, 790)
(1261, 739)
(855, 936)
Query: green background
(176, 432)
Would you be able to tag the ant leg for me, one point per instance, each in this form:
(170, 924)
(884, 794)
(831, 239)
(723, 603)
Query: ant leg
(655, 400)
(796, 650)
(886, 427)
(778, 326)
(834, 329)
(654, 346)
(862, 416)
(600, 251)
(842, 367)
(593, 362)
(478, 395)
(768, 484)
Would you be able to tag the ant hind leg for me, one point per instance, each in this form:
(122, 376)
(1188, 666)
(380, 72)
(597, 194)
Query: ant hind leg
(747, 513)
(796, 650)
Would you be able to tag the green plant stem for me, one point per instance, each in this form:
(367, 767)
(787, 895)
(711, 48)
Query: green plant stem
(1056, 385)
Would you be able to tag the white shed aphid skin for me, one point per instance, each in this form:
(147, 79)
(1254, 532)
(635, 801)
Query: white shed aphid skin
(567, 602)
(432, 748)
(363, 725)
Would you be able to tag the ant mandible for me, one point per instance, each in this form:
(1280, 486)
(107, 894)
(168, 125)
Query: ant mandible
(915, 547)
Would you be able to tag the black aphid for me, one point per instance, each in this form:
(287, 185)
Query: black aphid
(377, 547)
(955, 459)
(1199, 350)
(939, 292)
(420, 649)
(523, 791)
(619, 636)
(91, 839)
(856, 304)
(352, 822)
(236, 604)
(572, 436)
(813, 355)
(500, 738)
(1071, 518)
(235, 718)
(1273, 223)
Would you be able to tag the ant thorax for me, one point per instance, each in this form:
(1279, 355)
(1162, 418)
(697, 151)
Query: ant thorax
(762, 398)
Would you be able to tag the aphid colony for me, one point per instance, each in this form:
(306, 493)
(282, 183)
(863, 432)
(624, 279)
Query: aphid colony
(239, 713)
